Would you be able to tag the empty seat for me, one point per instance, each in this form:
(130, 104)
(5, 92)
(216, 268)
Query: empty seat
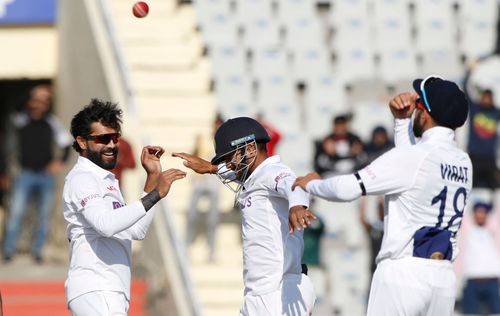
(206, 9)
(356, 63)
(352, 28)
(444, 62)
(435, 24)
(278, 103)
(227, 60)
(291, 10)
(269, 62)
(249, 10)
(348, 9)
(397, 64)
(261, 33)
(478, 38)
(486, 10)
(304, 32)
(369, 114)
(219, 29)
(302, 147)
(234, 96)
(310, 63)
(391, 24)
(325, 97)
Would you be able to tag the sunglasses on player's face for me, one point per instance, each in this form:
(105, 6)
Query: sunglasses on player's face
(421, 105)
(105, 138)
(429, 79)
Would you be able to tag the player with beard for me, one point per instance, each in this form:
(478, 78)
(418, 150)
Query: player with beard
(426, 185)
(100, 226)
(272, 274)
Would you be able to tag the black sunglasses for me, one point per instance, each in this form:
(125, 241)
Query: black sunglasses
(105, 138)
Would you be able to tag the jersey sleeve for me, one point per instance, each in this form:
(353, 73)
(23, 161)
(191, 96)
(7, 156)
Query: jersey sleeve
(342, 188)
(393, 172)
(101, 215)
(283, 186)
(140, 228)
(403, 133)
(390, 173)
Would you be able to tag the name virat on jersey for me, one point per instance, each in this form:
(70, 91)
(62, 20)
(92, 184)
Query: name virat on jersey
(454, 173)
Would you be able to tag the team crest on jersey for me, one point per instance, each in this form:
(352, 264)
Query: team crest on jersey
(111, 188)
(117, 205)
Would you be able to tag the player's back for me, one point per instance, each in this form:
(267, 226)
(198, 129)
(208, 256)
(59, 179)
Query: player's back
(424, 217)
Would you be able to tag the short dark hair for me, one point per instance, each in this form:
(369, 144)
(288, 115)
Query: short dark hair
(105, 112)
(487, 91)
(262, 146)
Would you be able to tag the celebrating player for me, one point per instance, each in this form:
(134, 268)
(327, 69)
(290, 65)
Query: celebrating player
(426, 185)
(100, 226)
(274, 284)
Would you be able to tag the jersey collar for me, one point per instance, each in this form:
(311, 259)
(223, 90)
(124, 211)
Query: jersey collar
(438, 133)
(267, 161)
(89, 165)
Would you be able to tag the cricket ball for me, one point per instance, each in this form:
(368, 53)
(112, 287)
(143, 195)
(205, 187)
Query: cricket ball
(140, 9)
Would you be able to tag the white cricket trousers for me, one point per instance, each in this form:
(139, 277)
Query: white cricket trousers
(295, 297)
(99, 303)
(412, 286)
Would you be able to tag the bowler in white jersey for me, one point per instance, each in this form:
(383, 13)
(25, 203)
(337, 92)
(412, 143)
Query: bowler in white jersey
(426, 185)
(272, 273)
(100, 226)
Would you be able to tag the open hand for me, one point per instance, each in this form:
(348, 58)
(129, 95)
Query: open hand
(166, 179)
(299, 218)
(196, 164)
(303, 181)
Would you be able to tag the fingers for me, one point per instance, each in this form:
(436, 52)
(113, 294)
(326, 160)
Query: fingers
(181, 155)
(173, 173)
(156, 151)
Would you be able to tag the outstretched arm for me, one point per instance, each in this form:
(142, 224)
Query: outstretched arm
(196, 164)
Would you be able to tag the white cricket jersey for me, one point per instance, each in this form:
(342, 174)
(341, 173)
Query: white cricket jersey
(269, 251)
(425, 184)
(100, 230)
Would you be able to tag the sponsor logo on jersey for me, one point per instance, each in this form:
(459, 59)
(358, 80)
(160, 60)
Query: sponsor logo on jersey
(111, 188)
(86, 199)
(117, 205)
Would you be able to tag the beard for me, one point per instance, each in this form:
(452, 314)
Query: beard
(96, 157)
(417, 128)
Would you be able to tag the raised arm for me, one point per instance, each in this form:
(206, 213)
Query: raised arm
(402, 107)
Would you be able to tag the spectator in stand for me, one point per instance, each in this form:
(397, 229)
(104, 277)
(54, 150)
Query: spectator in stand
(480, 257)
(124, 161)
(205, 187)
(274, 134)
(379, 144)
(483, 137)
(339, 152)
(35, 132)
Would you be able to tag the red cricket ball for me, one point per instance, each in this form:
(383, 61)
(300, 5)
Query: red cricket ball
(140, 9)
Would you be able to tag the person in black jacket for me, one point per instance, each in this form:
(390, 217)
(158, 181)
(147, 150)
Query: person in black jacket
(34, 133)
